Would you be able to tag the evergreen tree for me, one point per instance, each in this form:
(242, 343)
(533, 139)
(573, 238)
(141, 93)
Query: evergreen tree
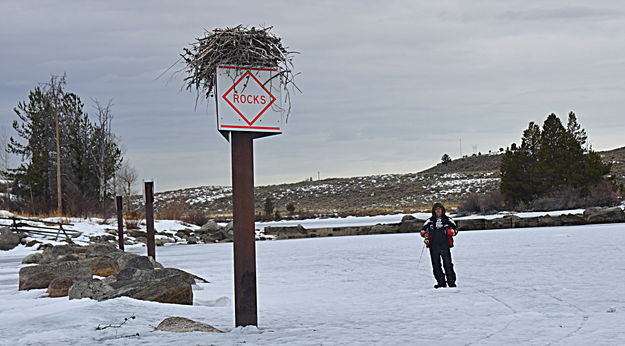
(87, 160)
(550, 159)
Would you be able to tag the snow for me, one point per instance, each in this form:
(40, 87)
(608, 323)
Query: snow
(537, 286)
(98, 227)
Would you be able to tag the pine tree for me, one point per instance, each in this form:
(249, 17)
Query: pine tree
(550, 159)
(88, 153)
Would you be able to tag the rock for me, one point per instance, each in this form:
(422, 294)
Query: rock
(172, 289)
(33, 258)
(102, 266)
(8, 239)
(384, 229)
(527, 222)
(571, 219)
(604, 215)
(210, 226)
(135, 233)
(32, 243)
(143, 240)
(406, 218)
(471, 224)
(60, 286)
(40, 276)
(499, 223)
(546, 221)
(229, 226)
(287, 232)
(99, 250)
(105, 238)
(59, 253)
(167, 285)
(410, 224)
(93, 289)
(163, 241)
(183, 325)
(129, 260)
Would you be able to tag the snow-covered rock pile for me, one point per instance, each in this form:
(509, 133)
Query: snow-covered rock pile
(103, 272)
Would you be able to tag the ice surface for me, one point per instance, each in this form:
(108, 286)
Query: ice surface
(538, 286)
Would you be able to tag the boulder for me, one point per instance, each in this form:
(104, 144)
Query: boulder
(210, 226)
(527, 222)
(184, 325)
(8, 239)
(286, 232)
(471, 224)
(33, 258)
(546, 221)
(571, 219)
(102, 266)
(410, 224)
(163, 241)
(167, 285)
(60, 286)
(40, 276)
(171, 289)
(94, 289)
(604, 215)
(59, 253)
(136, 233)
(129, 260)
(32, 243)
(384, 229)
(99, 250)
(499, 223)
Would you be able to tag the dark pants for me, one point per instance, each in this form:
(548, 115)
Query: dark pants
(436, 253)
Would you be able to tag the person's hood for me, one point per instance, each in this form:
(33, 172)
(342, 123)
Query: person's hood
(437, 205)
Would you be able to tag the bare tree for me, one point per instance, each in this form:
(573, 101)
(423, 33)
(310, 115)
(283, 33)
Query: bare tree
(4, 161)
(55, 89)
(106, 154)
(127, 177)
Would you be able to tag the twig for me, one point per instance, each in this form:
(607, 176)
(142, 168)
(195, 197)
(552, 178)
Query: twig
(132, 317)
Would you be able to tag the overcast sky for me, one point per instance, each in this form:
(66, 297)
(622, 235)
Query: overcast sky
(388, 86)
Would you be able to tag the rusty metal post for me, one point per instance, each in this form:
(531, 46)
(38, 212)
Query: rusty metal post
(245, 308)
(149, 218)
(120, 222)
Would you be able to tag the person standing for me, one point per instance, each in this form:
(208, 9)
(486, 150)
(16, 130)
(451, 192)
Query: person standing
(438, 232)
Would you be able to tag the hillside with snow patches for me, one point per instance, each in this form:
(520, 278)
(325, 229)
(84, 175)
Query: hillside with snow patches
(386, 193)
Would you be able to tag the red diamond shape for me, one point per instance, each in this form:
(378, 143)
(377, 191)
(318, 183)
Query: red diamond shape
(273, 99)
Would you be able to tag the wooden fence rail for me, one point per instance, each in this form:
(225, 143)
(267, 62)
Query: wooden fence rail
(50, 229)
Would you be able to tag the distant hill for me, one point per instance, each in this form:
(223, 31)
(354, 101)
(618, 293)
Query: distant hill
(617, 158)
(448, 183)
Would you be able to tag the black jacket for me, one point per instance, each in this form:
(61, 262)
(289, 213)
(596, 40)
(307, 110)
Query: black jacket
(439, 236)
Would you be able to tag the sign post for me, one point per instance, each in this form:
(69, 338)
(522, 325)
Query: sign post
(247, 103)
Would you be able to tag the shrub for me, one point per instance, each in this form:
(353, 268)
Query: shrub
(196, 217)
(483, 203)
(175, 210)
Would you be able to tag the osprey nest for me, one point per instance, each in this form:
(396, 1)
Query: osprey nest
(237, 46)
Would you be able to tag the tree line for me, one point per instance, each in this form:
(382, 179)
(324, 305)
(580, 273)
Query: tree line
(552, 160)
(69, 159)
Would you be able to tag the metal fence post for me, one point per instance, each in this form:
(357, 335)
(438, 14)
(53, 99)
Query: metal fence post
(149, 218)
(120, 221)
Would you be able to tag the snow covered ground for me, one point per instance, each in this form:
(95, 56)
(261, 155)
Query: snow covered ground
(538, 286)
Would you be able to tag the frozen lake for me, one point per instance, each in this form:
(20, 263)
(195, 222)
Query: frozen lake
(538, 286)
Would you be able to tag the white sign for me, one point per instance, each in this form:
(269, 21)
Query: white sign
(248, 99)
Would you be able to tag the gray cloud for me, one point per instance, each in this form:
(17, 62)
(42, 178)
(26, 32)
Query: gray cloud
(388, 86)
